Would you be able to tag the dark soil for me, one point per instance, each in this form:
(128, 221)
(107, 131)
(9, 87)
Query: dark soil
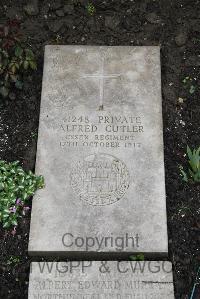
(175, 25)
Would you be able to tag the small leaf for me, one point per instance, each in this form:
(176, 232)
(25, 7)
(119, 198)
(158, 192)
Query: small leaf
(13, 68)
(26, 64)
(4, 91)
(14, 222)
(189, 152)
(5, 53)
(192, 89)
(18, 51)
(6, 225)
(137, 257)
(191, 173)
(17, 65)
(184, 175)
(29, 54)
(33, 65)
(18, 84)
(13, 78)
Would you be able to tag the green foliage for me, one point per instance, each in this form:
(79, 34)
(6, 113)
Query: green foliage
(193, 173)
(189, 84)
(16, 188)
(34, 135)
(15, 58)
(13, 260)
(138, 257)
(90, 8)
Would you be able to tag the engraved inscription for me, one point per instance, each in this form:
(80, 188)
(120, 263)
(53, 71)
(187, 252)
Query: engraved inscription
(101, 131)
(100, 179)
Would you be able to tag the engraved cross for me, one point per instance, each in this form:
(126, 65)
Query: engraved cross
(101, 76)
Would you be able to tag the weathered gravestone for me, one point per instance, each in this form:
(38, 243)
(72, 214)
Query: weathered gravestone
(100, 149)
(101, 280)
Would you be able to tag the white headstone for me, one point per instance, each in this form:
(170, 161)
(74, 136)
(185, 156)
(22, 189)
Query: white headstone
(101, 280)
(100, 149)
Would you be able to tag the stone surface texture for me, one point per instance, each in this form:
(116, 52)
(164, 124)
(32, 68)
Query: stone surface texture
(100, 149)
(101, 280)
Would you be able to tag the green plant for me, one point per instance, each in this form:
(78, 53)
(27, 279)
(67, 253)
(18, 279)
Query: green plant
(16, 188)
(34, 135)
(56, 40)
(90, 8)
(193, 173)
(184, 209)
(189, 84)
(138, 257)
(13, 260)
(15, 58)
